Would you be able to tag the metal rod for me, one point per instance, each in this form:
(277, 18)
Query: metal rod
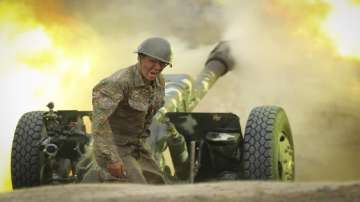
(192, 162)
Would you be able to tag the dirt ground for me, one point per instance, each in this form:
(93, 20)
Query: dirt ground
(224, 191)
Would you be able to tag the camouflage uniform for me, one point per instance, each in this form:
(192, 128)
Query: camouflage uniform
(123, 106)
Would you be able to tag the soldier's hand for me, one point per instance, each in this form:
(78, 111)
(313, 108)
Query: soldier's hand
(116, 169)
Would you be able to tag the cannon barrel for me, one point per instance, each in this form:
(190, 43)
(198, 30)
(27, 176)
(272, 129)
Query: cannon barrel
(182, 93)
(218, 63)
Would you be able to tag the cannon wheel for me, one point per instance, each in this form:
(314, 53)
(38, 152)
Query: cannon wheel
(26, 156)
(268, 148)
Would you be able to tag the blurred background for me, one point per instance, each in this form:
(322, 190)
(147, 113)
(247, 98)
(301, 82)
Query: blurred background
(301, 55)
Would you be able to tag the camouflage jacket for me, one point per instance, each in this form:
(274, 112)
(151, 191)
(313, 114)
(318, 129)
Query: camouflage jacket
(123, 106)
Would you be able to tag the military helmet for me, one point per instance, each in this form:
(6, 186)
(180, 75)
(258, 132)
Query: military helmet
(156, 47)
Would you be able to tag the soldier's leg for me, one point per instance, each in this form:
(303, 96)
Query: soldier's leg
(141, 171)
(133, 170)
(92, 175)
(150, 169)
(134, 173)
(97, 174)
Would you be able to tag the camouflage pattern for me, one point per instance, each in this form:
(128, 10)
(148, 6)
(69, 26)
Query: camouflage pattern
(123, 107)
(140, 168)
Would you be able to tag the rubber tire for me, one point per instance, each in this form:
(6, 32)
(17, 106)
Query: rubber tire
(264, 128)
(25, 155)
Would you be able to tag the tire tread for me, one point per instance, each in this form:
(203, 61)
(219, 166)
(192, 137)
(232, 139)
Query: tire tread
(257, 157)
(25, 154)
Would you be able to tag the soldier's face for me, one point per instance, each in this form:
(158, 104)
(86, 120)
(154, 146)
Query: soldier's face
(150, 67)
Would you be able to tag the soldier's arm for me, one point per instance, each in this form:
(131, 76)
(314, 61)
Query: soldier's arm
(105, 98)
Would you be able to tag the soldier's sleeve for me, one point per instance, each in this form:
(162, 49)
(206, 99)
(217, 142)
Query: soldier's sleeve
(105, 98)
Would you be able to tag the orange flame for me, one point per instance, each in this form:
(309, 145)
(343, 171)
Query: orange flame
(46, 56)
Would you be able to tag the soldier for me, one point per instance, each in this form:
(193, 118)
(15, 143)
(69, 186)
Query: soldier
(123, 106)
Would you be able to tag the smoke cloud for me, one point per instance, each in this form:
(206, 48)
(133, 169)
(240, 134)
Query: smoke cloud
(284, 59)
(115, 28)
(318, 90)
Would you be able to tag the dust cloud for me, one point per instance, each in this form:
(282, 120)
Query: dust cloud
(192, 27)
(318, 90)
(283, 59)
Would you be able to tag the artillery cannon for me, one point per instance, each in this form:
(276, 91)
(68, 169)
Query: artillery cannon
(55, 146)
